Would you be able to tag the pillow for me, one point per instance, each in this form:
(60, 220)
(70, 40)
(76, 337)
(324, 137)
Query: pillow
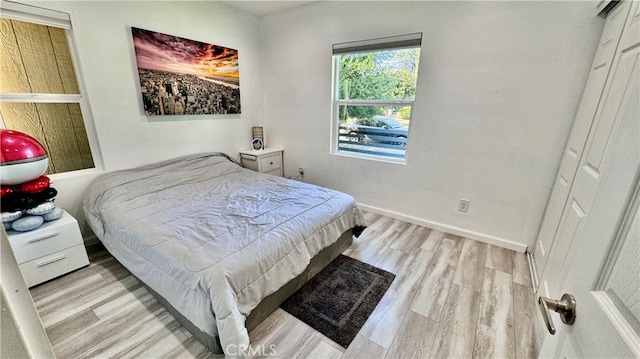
(10, 216)
(27, 223)
(42, 208)
(53, 215)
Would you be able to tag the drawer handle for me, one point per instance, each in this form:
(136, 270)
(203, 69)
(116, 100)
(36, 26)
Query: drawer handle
(59, 258)
(38, 239)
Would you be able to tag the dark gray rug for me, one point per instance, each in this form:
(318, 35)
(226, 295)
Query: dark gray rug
(339, 299)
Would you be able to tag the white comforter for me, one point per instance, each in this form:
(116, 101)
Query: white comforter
(213, 238)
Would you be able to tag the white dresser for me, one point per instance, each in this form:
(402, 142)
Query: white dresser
(267, 161)
(53, 249)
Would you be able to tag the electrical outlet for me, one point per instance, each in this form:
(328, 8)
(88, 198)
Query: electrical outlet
(301, 171)
(463, 206)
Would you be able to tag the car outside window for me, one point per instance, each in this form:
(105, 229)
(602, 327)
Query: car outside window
(373, 95)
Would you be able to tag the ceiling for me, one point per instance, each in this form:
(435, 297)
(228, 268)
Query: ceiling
(263, 8)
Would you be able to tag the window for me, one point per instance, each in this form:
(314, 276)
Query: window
(39, 91)
(373, 94)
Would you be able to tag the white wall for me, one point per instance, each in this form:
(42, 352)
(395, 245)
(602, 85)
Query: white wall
(498, 87)
(102, 30)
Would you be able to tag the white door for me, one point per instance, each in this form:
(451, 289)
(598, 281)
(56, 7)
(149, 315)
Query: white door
(594, 88)
(603, 223)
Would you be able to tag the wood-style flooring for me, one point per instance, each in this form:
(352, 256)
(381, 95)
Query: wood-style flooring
(452, 298)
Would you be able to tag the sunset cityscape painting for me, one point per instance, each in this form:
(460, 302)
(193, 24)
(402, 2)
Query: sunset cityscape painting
(185, 77)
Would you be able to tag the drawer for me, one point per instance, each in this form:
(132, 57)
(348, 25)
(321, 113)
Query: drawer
(250, 162)
(52, 237)
(54, 265)
(270, 163)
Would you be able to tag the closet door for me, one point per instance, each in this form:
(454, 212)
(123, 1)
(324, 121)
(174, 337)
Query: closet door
(549, 234)
(603, 273)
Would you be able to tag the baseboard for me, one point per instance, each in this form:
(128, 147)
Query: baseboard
(486, 238)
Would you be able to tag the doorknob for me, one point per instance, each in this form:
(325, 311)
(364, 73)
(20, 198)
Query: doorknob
(566, 307)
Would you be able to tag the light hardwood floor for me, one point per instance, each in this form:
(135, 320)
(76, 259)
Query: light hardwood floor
(452, 298)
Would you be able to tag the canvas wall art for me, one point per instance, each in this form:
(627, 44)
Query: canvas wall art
(185, 77)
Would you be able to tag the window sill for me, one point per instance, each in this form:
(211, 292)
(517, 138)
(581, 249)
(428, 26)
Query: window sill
(366, 157)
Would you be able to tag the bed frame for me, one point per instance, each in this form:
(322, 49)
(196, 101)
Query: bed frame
(269, 304)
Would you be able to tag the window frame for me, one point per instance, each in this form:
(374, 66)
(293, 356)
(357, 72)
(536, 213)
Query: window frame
(52, 18)
(407, 41)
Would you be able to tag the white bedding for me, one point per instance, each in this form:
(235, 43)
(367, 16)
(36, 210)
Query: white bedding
(213, 238)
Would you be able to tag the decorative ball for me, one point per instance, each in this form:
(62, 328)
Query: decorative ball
(22, 158)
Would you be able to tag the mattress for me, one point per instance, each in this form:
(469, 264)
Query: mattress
(213, 238)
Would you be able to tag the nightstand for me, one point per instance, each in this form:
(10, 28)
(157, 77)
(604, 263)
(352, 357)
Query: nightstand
(267, 161)
(51, 250)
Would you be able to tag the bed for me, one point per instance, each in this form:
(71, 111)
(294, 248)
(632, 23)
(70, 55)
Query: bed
(220, 245)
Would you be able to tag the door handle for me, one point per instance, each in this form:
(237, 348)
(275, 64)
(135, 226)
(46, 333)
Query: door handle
(566, 307)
